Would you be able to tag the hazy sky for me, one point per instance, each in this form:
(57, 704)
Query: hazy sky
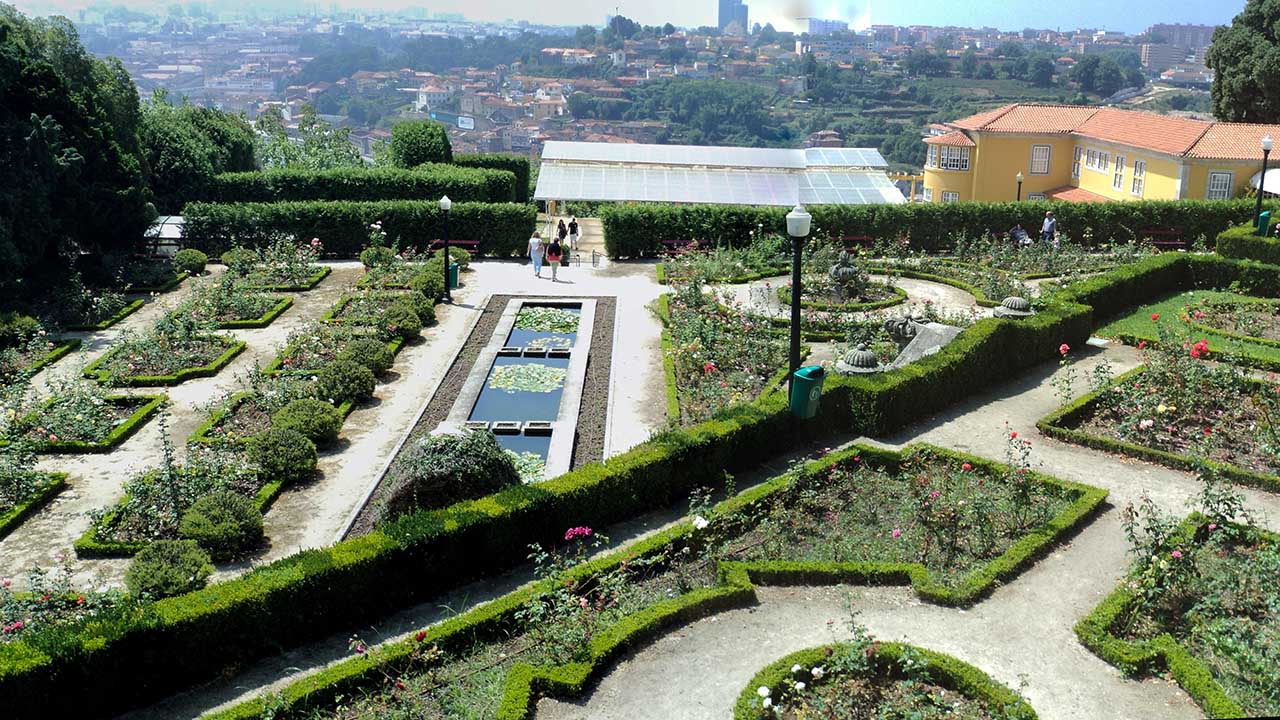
(1128, 15)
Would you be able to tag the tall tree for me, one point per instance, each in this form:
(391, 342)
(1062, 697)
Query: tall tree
(1041, 72)
(969, 63)
(1245, 59)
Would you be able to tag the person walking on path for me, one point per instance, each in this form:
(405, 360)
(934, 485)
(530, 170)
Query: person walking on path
(555, 251)
(562, 231)
(1049, 230)
(573, 233)
(535, 253)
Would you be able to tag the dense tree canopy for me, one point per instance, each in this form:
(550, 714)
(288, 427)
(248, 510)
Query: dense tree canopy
(710, 112)
(1245, 58)
(322, 146)
(186, 146)
(416, 142)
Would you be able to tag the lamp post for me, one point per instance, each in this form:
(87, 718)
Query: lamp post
(1262, 182)
(1019, 178)
(445, 205)
(798, 228)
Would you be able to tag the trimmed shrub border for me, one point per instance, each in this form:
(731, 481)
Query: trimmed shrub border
(310, 284)
(147, 406)
(261, 321)
(1056, 425)
(62, 348)
(1149, 657)
(899, 297)
(164, 287)
(124, 313)
(53, 484)
(942, 670)
(204, 434)
(660, 271)
(234, 348)
(329, 315)
(395, 345)
(1241, 243)
(735, 588)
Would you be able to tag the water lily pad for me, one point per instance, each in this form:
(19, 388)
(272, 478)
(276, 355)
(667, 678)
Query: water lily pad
(527, 377)
(547, 319)
(530, 465)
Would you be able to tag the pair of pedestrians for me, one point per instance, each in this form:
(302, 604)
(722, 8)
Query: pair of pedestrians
(552, 252)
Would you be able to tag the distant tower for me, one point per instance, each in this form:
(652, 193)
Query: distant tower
(732, 11)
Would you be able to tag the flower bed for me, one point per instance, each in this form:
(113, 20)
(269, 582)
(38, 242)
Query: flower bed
(245, 414)
(879, 296)
(164, 285)
(312, 347)
(229, 303)
(278, 283)
(988, 286)
(83, 424)
(51, 601)
(1043, 260)
(1136, 326)
(759, 257)
(1250, 320)
(34, 355)
(105, 322)
(282, 265)
(1180, 410)
(362, 309)
(157, 359)
(871, 679)
(26, 496)
(553, 638)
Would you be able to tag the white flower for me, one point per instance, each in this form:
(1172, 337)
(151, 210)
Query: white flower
(767, 703)
(796, 668)
(763, 691)
(700, 523)
(817, 672)
(799, 685)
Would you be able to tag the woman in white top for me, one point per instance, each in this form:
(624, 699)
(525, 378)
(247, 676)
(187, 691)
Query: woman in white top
(535, 253)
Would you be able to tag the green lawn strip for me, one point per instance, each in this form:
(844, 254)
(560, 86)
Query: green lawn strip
(1058, 425)
(1096, 631)
(147, 406)
(395, 345)
(53, 484)
(103, 325)
(1137, 326)
(307, 284)
(735, 589)
(899, 297)
(205, 433)
(942, 670)
(979, 297)
(261, 321)
(234, 348)
(164, 287)
(62, 348)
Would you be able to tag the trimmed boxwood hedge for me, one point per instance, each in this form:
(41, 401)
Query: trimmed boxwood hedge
(425, 182)
(735, 588)
(1150, 657)
(234, 348)
(165, 287)
(942, 670)
(125, 312)
(205, 435)
(517, 165)
(310, 283)
(502, 229)
(53, 484)
(61, 348)
(147, 406)
(188, 639)
(261, 321)
(634, 229)
(899, 297)
(1242, 244)
(1058, 424)
(395, 345)
(1210, 330)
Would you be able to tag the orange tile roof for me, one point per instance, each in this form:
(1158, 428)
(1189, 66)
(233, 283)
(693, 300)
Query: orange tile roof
(1162, 133)
(955, 137)
(976, 122)
(1075, 194)
(1040, 119)
(1234, 141)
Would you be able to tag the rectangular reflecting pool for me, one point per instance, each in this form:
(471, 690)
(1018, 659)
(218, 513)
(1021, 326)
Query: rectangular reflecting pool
(520, 388)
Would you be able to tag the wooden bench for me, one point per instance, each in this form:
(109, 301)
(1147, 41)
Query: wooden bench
(1164, 239)
(471, 246)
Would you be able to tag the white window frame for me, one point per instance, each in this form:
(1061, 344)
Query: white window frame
(950, 196)
(1139, 185)
(1117, 180)
(1047, 159)
(1097, 160)
(928, 194)
(951, 157)
(1076, 160)
(1223, 193)
(1036, 196)
(933, 157)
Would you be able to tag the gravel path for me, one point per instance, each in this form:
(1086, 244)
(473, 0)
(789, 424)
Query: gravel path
(760, 296)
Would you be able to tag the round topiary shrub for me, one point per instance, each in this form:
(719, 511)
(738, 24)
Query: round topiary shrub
(224, 523)
(282, 454)
(429, 282)
(343, 380)
(240, 261)
(421, 305)
(440, 470)
(456, 254)
(168, 567)
(369, 352)
(190, 261)
(377, 256)
(317, 420)
(399, 321)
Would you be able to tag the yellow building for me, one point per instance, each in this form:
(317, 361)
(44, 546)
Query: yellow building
(1076, 153)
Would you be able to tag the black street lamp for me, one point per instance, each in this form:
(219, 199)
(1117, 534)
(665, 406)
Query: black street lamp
(798, 228)
(445, 205)
(1262, 183)
(1019, 177)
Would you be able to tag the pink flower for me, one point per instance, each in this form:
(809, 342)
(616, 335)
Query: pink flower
(577, 532)
(966, 467)
(897, 532)
(1146, 424)
(359, 648)
(1155, 316)
(1213, 526)
(582, 603)
(934, 494)
(1013, 434)
(1142, 344)
(1198, 315)
(53, 438)
(709, 367)
(1176, 554)
(1064, 348)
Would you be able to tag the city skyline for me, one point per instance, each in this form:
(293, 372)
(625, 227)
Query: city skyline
(784, 14)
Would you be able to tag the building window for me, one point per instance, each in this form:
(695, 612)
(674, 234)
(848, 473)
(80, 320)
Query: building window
(1075, 162)
(1117, 180)
(950, 196)
(933, 156)
(1219, 185)
(1097, 160)
(1035, 196)
(1040, 159)
(928, 194)
(953, 158)
(1139, 177)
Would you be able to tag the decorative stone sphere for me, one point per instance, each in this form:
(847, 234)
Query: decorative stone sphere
(859, 361)
(1014, 307)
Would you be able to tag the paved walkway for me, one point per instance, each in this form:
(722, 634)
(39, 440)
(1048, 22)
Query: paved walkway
(761, 297)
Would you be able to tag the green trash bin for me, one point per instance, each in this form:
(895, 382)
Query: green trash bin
(1263, 223)
(806, 391)
(453, 276)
